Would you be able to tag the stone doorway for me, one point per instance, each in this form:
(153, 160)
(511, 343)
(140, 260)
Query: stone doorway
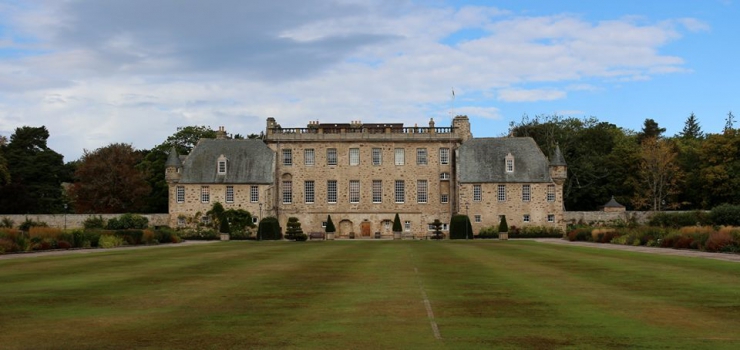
(365, 228)
(345, 227)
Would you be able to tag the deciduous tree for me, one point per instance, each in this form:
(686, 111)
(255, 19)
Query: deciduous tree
(720, 168)
(107, 181)
(659, 175)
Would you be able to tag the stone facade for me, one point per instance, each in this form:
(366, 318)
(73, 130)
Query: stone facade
(520, 212)
(363, 174)
(192, 208)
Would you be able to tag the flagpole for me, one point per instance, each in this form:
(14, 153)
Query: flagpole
(452, 104)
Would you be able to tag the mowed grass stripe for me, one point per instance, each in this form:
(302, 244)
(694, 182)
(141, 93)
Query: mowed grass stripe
(162, 293)
(364, 295)
(586, 300)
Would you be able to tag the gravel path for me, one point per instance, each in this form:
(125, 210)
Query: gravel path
(641, 249)
(96, 250)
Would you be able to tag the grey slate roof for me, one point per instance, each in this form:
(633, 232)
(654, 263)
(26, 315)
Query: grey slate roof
(173, 159)
(557, 157)
(613, 204)
(483, 160)
(249, 161)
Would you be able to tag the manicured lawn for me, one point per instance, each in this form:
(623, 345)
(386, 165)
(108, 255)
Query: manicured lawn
(369, 295)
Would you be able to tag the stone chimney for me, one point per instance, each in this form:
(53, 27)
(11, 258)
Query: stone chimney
(221, 133)
(461, 123)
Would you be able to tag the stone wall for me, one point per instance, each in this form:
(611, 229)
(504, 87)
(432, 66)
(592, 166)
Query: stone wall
(589, 217)
(74, 221)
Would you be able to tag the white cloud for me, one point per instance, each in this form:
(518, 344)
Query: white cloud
(519, 95)
(132, 71)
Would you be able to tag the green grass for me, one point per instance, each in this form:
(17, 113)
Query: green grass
(368, 295)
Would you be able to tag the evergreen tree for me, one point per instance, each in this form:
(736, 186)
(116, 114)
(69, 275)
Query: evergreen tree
(729, 122)
(650, 129)
(691, 129)
(36, 174)
(4, 172)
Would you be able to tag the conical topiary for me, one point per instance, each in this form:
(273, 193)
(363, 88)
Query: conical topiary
(397, 224)
(503, 226)
(330, 226)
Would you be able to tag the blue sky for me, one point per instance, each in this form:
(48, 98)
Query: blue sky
(99, 72)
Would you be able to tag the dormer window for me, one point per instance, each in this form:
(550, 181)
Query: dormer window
(509, 163)
(222, 165)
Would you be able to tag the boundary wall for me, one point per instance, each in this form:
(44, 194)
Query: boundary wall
(74, 221)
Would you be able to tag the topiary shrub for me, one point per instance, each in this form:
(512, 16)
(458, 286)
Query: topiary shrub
(503, 226)
(224, 226)
(460, 227)
(269, 229)
(397, 224)
(330, 225)
(294, 230)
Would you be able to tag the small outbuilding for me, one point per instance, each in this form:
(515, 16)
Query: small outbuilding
(613, 206)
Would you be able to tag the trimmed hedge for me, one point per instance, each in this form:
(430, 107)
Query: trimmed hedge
(269, 229)
(460, 227)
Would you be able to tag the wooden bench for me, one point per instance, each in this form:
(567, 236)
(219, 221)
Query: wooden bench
(317, 235)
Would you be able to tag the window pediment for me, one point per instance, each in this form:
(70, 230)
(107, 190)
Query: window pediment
(509, 163)
(222, 165)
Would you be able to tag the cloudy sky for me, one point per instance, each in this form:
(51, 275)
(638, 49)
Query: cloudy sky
(97, 72)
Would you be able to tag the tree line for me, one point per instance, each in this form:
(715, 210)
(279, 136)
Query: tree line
(644, 170)
(113, 179)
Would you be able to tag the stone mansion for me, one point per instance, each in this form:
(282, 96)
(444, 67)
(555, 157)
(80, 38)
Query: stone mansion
(363, 174)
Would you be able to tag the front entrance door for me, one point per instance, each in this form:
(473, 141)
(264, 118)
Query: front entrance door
(365, 228)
